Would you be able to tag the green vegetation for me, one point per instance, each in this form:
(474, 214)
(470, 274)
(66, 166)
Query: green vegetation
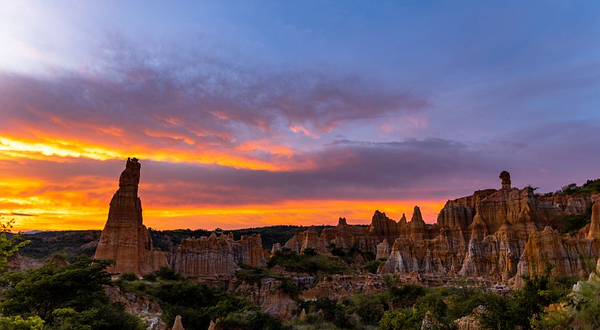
(167, 240)
(353, 254)
(69, 297)
(254, 275)
(308, 262)
(9, 243)
(589, 187)
(580, 310)
(198, 304)
(274, 234)
(19, 323)
(573, 223)
(73, 242)
(372, 265)
(406, 306)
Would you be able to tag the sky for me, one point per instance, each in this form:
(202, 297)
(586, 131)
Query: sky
(255, 113)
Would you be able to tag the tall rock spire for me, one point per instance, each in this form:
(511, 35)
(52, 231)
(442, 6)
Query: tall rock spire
(595, 224)
(125, 239)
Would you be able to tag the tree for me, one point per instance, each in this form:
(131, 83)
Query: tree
(68, 297)
(9, 243)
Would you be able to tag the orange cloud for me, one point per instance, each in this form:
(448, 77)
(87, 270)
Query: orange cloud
(68, 214)
(52, 148)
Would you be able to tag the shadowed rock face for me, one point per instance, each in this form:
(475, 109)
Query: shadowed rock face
(125, 239)
(218, 256)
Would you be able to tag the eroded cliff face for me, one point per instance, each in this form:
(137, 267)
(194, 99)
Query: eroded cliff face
(594, 229)
(146, 309)
(125, 239)
(267, 294)
(218, 256)
(366, 238)
(493, 235)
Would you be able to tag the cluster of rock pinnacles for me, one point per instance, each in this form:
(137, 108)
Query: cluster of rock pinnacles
(493, 236)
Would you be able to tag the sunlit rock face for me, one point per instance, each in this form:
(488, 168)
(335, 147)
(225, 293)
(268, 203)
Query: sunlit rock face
(492, 235)
(499, 235)
(125, 239)
(594, 231)
(567, 254)
(218, 256)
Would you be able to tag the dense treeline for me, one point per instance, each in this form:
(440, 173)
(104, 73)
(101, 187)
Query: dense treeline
(73, 297)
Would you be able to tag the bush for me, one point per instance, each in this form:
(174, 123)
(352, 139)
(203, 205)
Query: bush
(168, 274)
(19, 323)
(373, 265)
(311, 264)
(149, 277)
(573, 223)
(399, 320)
(128, 277)
(69, 297)
(251, 320)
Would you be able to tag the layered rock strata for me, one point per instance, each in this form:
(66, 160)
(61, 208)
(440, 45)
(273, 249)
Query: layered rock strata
(125, 239)
(218, 256)
(493, 235)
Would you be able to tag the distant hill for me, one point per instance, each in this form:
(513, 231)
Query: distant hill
(83, 242)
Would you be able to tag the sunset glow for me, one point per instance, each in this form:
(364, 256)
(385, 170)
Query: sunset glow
(288, 115)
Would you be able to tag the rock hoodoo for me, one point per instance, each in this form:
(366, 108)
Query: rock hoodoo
(177, 324)
(218, 256)
(125, 239)
(505, 176)
(594, 232)
(492, 235)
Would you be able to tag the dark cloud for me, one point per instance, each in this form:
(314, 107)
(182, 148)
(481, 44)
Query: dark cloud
(192, 101)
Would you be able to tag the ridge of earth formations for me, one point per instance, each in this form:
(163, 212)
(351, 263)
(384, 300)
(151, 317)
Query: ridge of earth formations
(493, 237)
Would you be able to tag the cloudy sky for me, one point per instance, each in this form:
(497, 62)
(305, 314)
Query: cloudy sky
(253, 113)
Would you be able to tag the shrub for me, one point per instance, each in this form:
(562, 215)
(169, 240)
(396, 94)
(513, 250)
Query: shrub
(168, 274)
(128, 277)
(373, 265)
(311, 264)
(69, 297)
(573, 223)
(19, 323)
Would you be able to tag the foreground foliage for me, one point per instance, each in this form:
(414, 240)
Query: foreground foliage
(308, 262)
(68, 297)
(198, 304)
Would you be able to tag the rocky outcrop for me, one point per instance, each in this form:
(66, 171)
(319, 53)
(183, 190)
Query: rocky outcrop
(383, 250)
(497, 236)
(340, 286)
(218, 256)
(125, 239)
(177, 324)
(594, 231)
(566, 255)
(345, 236)
(471, 321)
(493, 235)
(146, 309)
(267, 294)
(306, 239)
